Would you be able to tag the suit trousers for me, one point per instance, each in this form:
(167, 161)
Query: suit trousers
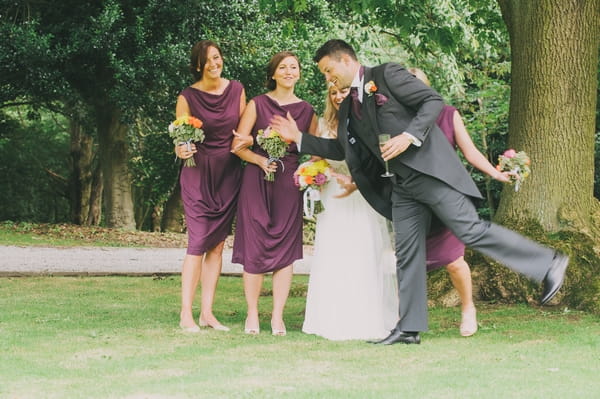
(415, 197)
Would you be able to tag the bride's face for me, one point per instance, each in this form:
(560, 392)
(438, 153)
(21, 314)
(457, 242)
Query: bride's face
(337, 96)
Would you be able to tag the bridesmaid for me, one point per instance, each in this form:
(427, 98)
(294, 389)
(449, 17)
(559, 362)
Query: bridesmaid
(210, 189)
(268, 234)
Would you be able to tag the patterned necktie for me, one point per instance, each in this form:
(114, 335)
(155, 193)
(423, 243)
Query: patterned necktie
(355, 102)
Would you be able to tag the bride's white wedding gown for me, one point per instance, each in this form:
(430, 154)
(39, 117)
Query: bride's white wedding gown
(352, 287)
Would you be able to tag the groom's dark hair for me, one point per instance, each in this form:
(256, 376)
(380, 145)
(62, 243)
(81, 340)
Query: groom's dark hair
(334, 48)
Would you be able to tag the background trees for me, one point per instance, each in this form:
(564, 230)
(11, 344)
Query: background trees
(114, 69)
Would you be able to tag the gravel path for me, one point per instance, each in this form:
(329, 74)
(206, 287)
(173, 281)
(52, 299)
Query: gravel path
(99, 261)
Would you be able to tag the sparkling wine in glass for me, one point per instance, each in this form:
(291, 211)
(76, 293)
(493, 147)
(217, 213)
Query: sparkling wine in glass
(384, 138)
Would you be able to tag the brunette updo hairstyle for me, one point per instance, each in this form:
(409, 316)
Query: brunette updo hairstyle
(198, 57)
(270, 84)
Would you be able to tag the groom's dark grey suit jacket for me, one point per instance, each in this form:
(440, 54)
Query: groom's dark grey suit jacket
(409, 106)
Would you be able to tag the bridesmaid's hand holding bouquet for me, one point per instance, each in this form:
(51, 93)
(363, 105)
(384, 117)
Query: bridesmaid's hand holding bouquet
(274, 146)
(517, 164)
(186, 130)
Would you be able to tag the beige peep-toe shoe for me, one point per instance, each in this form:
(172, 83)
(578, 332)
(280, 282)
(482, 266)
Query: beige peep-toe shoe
(218, 327)
(468, 323)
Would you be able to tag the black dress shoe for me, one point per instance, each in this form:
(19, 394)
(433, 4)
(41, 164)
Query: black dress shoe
(402, 337)
(554, 277)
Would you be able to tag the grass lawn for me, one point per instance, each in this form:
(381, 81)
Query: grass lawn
(117, 337)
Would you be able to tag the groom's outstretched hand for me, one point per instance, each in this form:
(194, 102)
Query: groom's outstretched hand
(286, 127)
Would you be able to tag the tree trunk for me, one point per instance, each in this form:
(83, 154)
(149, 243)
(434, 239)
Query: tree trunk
(80, 186)
(114, 158)
(552, 115)
(94, 215)
(173, 219)
(554, 48)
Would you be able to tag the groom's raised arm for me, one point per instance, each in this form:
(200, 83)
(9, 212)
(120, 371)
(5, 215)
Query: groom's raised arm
(307, 143)
(414, 94)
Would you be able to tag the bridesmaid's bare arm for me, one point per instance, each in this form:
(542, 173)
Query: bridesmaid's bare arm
(247, 121)
(242, 102)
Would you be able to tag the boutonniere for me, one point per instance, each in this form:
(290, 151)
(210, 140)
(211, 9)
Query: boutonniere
(370, 88)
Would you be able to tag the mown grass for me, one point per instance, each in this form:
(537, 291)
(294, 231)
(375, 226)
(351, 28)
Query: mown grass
(117, 337)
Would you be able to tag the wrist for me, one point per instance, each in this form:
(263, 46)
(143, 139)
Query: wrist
(412, 139)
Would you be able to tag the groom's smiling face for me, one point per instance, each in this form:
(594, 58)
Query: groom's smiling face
(340, 72)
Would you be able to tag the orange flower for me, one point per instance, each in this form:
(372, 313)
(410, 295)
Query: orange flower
(195, 122)
(310, 180)
(370, 88)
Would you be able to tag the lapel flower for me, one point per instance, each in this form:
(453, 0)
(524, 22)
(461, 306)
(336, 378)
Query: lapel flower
(370, 88)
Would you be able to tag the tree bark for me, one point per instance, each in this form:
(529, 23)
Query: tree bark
(173, 219)
(80, 186)
(114, 158)
(554, 48)
(94, 215)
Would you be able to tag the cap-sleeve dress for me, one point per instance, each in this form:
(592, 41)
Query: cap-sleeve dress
(210, 189)
(268, 232)
(443, 247)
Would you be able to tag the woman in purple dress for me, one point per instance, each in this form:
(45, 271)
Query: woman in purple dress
(443, 247)
(210, 189)
(268, 233)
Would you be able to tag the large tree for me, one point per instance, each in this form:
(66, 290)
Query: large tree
(554, 48)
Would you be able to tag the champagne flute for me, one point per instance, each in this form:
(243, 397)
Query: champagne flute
(384, 138)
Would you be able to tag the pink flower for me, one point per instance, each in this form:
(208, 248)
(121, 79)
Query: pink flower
(320, 179)
(510, 153)
(296, 180)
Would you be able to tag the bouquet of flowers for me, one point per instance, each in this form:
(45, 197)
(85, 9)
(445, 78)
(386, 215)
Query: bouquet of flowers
(310, 177)
(186, 130)
(516, 163)
(270, 141)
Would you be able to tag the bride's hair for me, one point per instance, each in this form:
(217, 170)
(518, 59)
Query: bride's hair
(330, 114)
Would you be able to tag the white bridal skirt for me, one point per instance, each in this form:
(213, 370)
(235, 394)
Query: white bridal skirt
(352, 290)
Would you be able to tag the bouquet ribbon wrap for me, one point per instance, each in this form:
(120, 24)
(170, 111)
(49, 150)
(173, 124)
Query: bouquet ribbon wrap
(311, 196)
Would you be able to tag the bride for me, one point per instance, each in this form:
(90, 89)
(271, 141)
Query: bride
(352, 287)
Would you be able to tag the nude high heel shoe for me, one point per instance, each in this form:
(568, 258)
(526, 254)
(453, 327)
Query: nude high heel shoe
(251, 330)
(218, 327)
(278, 332)
(468, 323)
(192, 329)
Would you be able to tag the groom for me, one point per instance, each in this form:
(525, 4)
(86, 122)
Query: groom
(428, 178)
